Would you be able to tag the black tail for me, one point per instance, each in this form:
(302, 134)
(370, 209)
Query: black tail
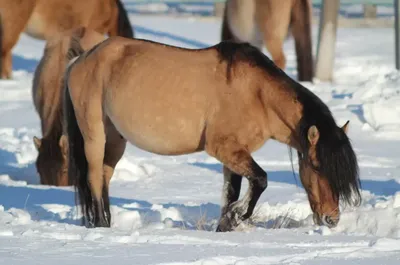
(77, 163)
(301, 30)
(124, 25)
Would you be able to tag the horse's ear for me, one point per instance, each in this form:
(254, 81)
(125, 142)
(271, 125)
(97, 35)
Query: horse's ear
(37, 142)
(63, 143)
(313, 135)
(345, 127)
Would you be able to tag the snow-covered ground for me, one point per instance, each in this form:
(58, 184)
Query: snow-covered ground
(165, 208)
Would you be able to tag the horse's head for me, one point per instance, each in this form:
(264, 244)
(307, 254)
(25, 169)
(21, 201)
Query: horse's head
(52, 160)
(329, 172)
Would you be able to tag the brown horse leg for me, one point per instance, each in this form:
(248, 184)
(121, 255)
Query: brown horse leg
(301, 28)
(275, 48)
(231, 189)
(114, 150)
(239, 161)
(6, 65)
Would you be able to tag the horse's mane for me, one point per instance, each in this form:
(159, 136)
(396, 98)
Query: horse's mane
(337, 160)
(336, 157)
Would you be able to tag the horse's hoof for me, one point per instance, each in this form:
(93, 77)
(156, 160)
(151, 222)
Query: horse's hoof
(226, 225)
(221, 229)
(101, 223)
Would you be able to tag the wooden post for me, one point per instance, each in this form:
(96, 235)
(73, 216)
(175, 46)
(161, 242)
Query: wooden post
(397, 32)
(327, 40)
(370, 11)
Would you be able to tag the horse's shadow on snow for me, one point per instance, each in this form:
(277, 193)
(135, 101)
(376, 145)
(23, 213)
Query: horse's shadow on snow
(21, 63)
(9, 166)
(46, 203)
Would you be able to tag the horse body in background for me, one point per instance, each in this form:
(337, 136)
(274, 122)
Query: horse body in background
(226, 100)
(268, 22)
(43, 19)
(52, 160)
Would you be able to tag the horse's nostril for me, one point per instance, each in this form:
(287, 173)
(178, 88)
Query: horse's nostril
(329, 221)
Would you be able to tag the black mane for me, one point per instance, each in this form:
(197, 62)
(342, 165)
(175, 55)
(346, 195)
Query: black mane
(337, 160)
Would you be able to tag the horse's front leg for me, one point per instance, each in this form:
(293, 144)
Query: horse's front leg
(238, 160)
(230, 190)
(6, 65)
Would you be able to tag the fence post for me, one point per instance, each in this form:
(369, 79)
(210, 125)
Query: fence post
(327, 40)
(397, 32)
(370, 11)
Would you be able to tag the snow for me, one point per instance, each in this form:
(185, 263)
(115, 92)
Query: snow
(165, 209)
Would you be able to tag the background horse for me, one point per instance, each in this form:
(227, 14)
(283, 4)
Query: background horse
(52, 160)
(268, 22)
(226, 100)
(42, 19)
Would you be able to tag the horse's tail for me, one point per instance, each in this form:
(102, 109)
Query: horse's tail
(124, 25)
(77, 163)
(226, 33)
(301, 30)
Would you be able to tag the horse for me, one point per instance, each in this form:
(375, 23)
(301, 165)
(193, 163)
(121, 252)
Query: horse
(226, 100)
(269, 23)
(52, 159)
(42, 19)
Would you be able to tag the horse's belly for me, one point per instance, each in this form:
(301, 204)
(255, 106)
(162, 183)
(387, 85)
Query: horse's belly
(36, 26)
(161, 136)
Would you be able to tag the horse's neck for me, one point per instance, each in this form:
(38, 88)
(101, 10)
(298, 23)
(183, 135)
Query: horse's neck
(283, 112)
(51, 111)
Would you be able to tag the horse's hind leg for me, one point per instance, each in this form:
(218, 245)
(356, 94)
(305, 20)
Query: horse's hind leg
(115, 148)
(238, 160)
(93, 133)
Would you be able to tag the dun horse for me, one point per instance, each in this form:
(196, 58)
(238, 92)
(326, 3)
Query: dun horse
(42, 19)
(268, 23)
(52, 160)
(226, 100)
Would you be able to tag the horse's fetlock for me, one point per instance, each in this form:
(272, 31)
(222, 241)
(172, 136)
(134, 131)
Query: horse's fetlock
(263, 182)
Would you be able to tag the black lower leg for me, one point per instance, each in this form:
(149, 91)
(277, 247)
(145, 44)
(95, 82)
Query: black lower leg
(243, 209)
(231, 189)
(100, 219)
(106, 202)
